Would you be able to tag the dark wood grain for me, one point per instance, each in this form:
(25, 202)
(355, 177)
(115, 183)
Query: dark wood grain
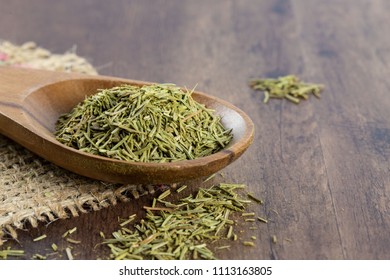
(322, 167)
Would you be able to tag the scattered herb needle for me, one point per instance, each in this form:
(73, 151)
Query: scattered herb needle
(4, 254)
(183, 232)
(68, 232)
(70, 240)
(248, 214)
(223, 247)
(54, 247)
(39, 257)
(248, 243)
(182, 188)
(69, 253)
(254, 198)
(261, 219)
(40, 238)
(129, 220)
(289, 87)
(152, 123)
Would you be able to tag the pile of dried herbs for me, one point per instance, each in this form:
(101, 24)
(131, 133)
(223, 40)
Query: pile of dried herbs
(152, 123)
(183, 230)
(289, 87)
(187, 229)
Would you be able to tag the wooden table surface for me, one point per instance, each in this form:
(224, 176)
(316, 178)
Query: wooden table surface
(322, 167)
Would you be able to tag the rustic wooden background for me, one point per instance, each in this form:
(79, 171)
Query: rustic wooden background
(322, 167)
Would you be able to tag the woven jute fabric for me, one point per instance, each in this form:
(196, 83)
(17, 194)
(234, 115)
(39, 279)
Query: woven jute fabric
(33, 190)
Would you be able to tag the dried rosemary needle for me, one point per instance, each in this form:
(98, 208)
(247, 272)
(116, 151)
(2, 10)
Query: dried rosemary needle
(289, 87)
(152, 123)
(4, 254)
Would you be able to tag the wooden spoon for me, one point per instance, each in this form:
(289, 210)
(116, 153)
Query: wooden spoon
(32, 100)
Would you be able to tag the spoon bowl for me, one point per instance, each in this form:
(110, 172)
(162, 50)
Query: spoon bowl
(31, 102)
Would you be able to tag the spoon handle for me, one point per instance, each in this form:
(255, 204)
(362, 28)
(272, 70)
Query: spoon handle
(16, 83)
(19, 114)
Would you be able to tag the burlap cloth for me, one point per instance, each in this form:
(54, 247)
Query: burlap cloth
(32, 189)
